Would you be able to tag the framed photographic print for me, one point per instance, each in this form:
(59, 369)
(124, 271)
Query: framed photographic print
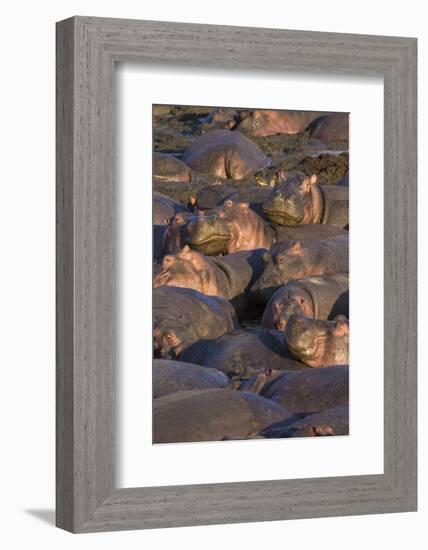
(236, 274)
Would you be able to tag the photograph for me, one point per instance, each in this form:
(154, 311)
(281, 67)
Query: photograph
(250, 273)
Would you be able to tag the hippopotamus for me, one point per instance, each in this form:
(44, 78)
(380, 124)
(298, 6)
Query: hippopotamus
(213, 415)
(169, 168)
(228, 276)
(225, 154)
(242, 353)
(158, 235)
(310, 390)
(231, 227)
(183, 316)
(213, 195)
(287, 262)
(297, 199)
(318, 343)
(171, 376)
(234, 227)
(320, 296)
(330, 128)
(164, 208)
(333, 421)
(224, 119)
(265, 122)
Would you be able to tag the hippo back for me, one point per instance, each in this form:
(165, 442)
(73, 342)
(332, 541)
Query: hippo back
(311, 390)
(213, 415)
(203, 153)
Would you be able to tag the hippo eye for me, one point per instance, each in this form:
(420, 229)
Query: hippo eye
(280, 260)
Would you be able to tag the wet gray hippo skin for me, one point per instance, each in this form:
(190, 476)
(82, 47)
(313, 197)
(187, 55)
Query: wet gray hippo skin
(169, 168)
(318, 343)
(288, 262)
(229, 276)
(265, 122)
(330, 128)
(242, 353)
(310, 391)
(297, 199)
(225, 154)
(330, 422)
(164, 208)
(171, 376)
(158, 234)
(320, 296)
(213, 415)
(182, 316)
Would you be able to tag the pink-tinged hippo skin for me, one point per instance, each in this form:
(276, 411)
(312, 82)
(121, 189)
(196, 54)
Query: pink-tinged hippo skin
(330, 128)
(169, 168)
(321, 296)
(242, 353)
(297, 199)
(264, 122)
(318, 343)
(214, 195)
(213, 415)
(183, 316)
(287, 262)
(311, 390)
(165, 208)
(225, 154)
(229, 276)
(172, 376)
(248, 230)
(330, 422)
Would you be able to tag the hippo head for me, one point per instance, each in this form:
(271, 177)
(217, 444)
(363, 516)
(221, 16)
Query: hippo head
(318, 343)
(281, 266)
(297, 300)
(257, 123)
(170, 338)
(208, 233)
(295, 200)
(174, 232)
(186, 269)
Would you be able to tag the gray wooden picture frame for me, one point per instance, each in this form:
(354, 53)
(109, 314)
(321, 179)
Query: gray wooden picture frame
(87, 51)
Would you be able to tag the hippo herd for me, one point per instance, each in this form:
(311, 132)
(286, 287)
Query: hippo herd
(250, 274)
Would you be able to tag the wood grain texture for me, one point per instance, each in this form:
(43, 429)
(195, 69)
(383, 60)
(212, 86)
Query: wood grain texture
(87, 49)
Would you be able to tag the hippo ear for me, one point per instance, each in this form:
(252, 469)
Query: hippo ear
(166, 220)
(296, 247)
(193, 200)
(341, 328)
(244, 206)
(313, 179)
(185, 250)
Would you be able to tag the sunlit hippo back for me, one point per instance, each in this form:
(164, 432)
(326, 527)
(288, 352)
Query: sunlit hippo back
(225, 154)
